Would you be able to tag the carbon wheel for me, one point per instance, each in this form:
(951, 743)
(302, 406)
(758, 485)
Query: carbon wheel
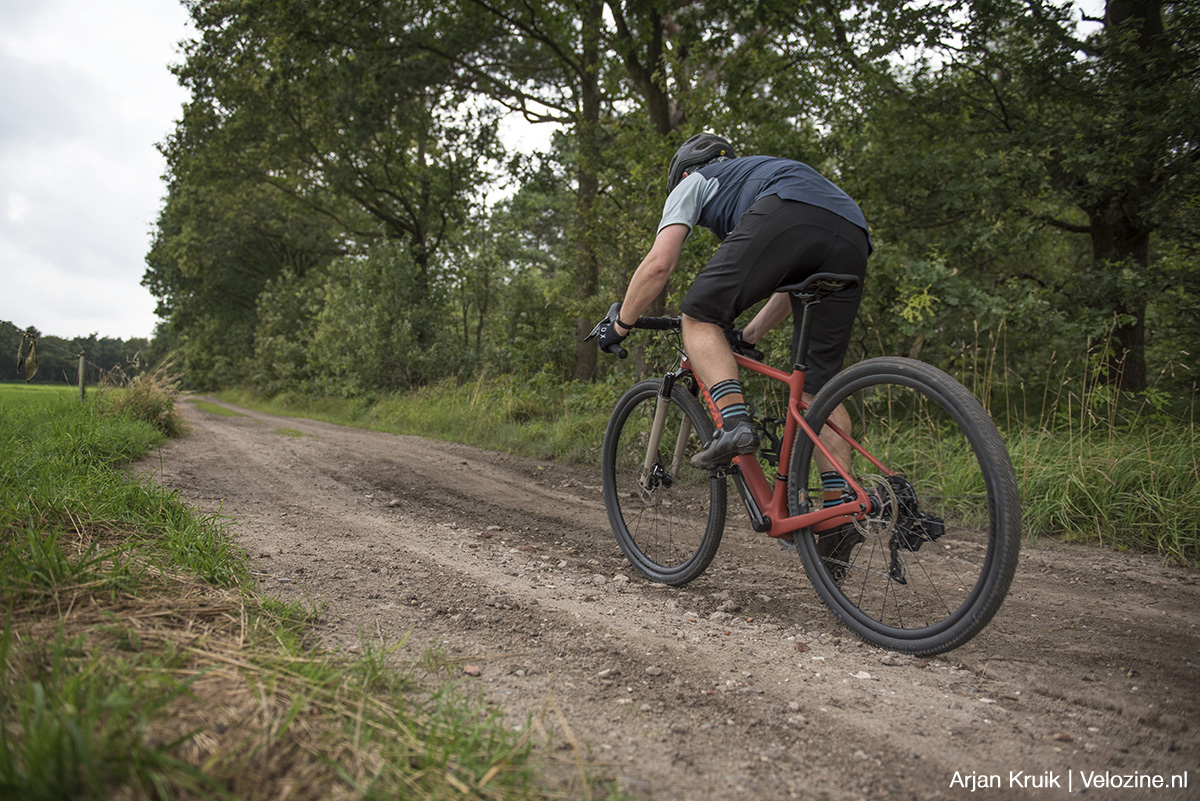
(929, 564)
(668, 517)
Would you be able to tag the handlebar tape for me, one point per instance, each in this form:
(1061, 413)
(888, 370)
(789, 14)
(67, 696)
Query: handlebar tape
(657, 323)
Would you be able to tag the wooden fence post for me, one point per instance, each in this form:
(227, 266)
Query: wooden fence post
(81, 360)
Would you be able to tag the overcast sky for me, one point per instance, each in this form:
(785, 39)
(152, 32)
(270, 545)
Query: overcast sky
(85, 94)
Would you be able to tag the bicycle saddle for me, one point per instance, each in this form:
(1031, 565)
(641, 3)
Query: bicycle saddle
(819, 285)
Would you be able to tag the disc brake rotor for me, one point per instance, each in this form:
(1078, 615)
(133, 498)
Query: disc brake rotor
(880, 521)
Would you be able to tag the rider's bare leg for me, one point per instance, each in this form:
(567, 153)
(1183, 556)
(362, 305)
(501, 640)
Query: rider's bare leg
(708, 350)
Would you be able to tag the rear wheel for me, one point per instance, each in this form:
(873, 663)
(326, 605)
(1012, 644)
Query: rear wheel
(669, 517)
(930, 564)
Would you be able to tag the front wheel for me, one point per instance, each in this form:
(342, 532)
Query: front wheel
(667, 515)
(930, 563)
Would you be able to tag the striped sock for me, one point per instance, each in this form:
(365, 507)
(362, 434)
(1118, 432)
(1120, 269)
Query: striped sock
(734, 411)
(833, 485)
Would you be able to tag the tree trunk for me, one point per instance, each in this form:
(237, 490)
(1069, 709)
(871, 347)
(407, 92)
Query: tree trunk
(644, 57)
(1121, 220)
(588, 130)
(1119, 242)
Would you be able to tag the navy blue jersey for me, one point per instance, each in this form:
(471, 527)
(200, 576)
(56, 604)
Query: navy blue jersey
(717, 195)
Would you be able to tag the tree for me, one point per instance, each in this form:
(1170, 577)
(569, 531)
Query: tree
(627, 79)
(221, 238)
(1090, 135)
(305, 108)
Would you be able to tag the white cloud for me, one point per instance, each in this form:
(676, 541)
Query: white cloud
(87, 95)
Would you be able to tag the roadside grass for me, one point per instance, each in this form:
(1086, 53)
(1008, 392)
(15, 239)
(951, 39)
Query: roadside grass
(138, 662)
(541, 417)
(1093, 467)
(1128, 487)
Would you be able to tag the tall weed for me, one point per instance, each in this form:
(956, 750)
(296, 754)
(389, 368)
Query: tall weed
(1126, 486)
(1095, 463)
(149, 397)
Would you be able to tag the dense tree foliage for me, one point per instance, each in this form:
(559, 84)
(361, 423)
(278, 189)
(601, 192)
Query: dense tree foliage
(1031, 129)
(341, 217)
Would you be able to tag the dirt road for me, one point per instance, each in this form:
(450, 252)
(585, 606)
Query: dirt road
(740, 685)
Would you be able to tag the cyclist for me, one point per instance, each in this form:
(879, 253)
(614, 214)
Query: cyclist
(779, 221)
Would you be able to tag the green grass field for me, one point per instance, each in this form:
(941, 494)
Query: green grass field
(14, 395)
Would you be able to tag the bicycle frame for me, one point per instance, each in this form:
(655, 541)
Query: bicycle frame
(767, 503)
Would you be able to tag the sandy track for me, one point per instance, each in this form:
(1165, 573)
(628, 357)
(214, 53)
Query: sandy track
(740, 685)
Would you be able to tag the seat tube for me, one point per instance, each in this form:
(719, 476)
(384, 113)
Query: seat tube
(795, 411)
(803, 334)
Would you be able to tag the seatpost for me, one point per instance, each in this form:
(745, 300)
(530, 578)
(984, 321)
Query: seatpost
(800, 343)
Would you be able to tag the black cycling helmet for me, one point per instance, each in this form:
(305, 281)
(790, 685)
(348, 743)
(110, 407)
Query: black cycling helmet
(695, 152)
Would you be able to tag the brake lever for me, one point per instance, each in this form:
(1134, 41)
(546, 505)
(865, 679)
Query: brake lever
(614, 314)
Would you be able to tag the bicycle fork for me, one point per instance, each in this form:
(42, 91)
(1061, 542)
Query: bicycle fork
(652, 475)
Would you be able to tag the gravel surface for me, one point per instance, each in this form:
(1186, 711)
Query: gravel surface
(739, 685)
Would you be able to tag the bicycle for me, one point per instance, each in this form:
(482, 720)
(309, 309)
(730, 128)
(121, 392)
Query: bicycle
(918, 555)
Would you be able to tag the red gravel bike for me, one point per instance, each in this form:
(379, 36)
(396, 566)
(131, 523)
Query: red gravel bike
(919, 551)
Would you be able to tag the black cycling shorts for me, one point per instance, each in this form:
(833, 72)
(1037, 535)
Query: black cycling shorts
(783, 242)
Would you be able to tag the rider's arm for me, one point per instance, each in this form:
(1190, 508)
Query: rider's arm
(776, 310)
(652, 274)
